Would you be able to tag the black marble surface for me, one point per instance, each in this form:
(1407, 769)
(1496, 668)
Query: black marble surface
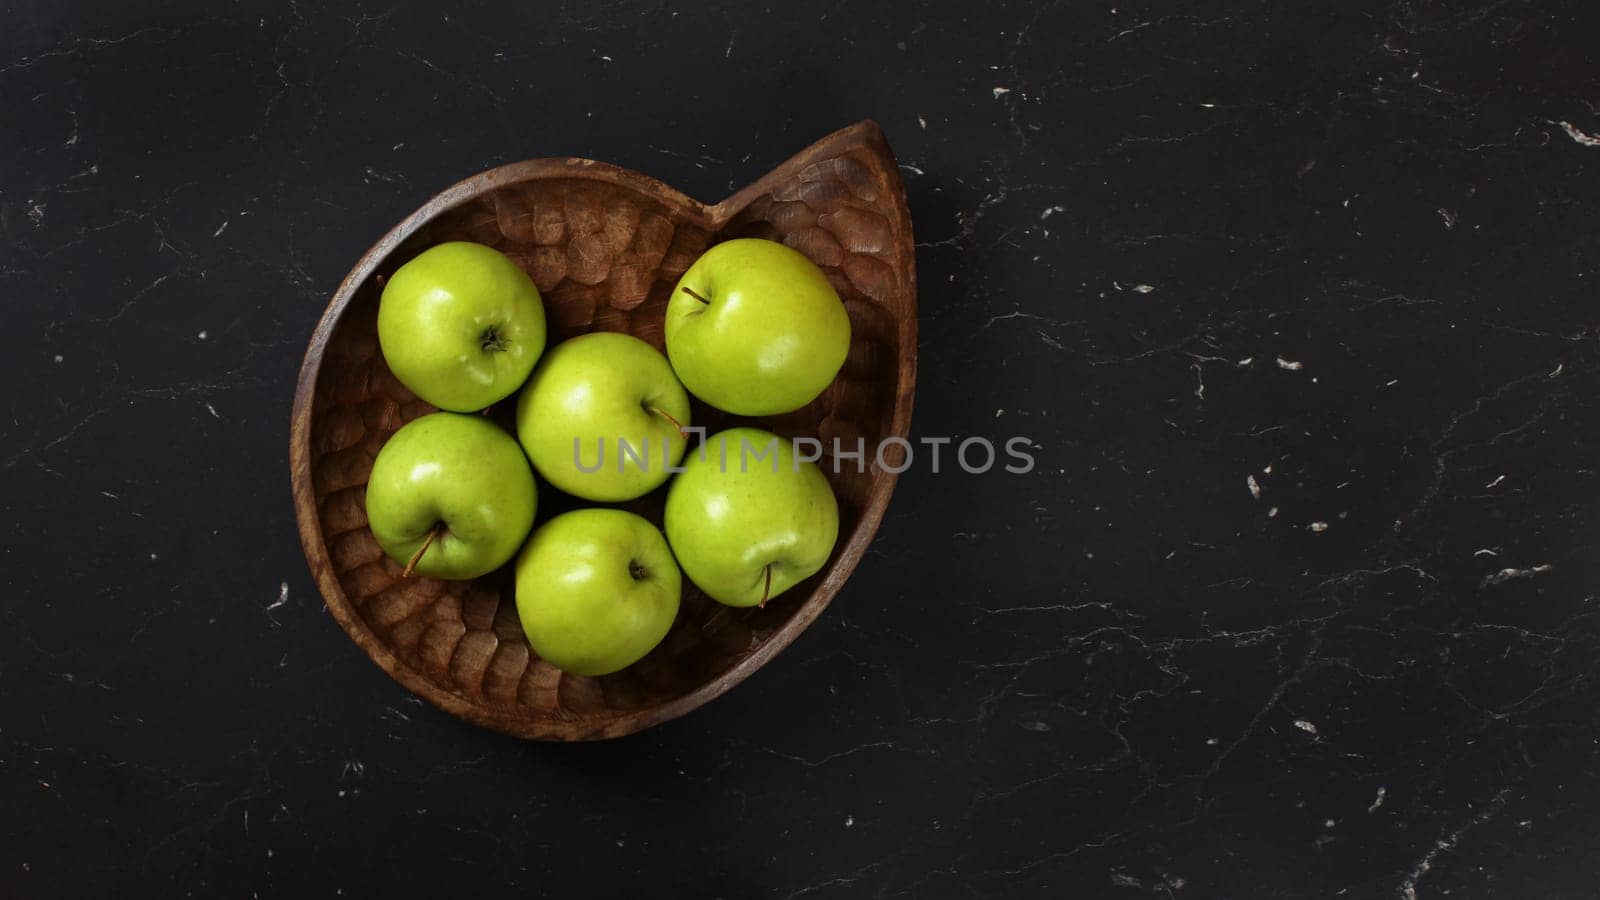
(1299, 300)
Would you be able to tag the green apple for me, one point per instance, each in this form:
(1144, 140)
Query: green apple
(748, 519)
(597, 589)
(461, 326)
(450, 496)
(603, 417)
(754, 328)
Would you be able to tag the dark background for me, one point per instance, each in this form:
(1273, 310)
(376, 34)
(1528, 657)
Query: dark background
(1345, 248)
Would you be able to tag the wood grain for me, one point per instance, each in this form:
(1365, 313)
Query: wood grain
(605, 246)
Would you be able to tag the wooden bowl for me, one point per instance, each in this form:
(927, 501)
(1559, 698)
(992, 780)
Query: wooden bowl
(605, 246)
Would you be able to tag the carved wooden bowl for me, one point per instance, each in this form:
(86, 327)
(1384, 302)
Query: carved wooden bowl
(605, 246)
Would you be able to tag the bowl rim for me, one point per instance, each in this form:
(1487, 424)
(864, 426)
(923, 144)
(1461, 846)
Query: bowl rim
(865, 135)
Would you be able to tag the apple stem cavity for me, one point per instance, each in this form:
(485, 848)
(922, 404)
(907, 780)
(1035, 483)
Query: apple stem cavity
(682, 431)
(696, 296)
(433, 533)
(492, 341)
(766, 591)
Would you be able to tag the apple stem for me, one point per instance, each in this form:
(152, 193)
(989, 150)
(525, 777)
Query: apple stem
(682, 431)
(412, 565)
(697, 296)
(768, 589)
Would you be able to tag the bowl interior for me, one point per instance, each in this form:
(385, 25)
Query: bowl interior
(605, 248)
